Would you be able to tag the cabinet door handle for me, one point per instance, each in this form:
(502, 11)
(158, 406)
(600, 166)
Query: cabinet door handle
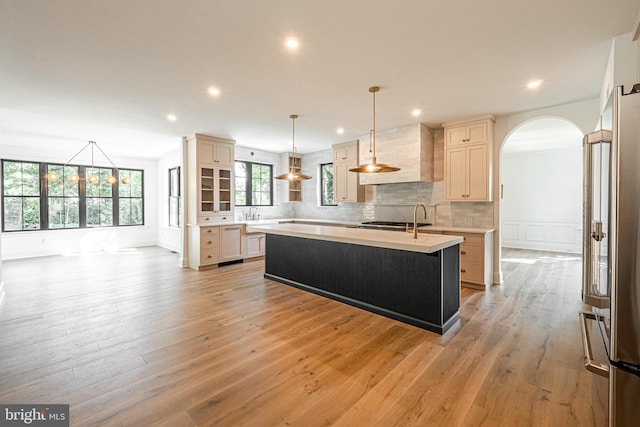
(461, 252)
(344, 158)
(208, 231)
(462, 270)
(208, 256)
(209, 242)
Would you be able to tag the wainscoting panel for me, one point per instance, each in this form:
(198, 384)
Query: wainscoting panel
(545, 235)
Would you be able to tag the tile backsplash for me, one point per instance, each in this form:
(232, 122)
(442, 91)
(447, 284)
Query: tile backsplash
(383, 202)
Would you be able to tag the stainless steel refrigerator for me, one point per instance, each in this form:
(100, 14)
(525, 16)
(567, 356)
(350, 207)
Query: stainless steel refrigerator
(611, 269)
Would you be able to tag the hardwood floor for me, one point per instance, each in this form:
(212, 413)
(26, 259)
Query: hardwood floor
(130, 339)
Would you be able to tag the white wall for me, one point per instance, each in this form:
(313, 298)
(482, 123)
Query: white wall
(622, 66)
(542, 204)
(52, 242)
(168, 237)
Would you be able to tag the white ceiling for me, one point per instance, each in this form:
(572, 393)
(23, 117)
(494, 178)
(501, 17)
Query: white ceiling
(110, 71)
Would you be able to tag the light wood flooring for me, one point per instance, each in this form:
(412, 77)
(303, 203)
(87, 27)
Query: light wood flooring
(130, 339)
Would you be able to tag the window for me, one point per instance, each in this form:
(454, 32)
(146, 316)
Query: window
(174, 197)
(253, 184)
(130, 201)
(326, 184)
(63, 198)
(21, 196)
(31, 202)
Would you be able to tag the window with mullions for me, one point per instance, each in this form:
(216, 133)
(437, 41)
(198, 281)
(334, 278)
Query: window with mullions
(21, 196)
(30, 201)
(63, 201)
(99, 199)
(253, 184)
(326, 185)
(130, 199)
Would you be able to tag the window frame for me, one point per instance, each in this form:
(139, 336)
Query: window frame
(322, 186)
(44, 196)
(173, 198)
(249, 184)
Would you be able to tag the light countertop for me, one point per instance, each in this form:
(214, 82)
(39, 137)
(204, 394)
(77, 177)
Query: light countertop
(426, 243)
(353, 224)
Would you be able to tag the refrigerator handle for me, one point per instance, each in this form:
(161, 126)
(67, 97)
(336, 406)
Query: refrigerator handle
(589, 363)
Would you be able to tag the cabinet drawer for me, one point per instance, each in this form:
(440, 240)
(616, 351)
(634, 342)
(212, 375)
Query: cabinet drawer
(471, 253)
(471, 272)
(209, 242)
(213, 218)
(209, 231)
(209, 256)
(469, 238)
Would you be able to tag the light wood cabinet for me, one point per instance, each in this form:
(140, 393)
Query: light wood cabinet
(254, 245)
(231, 242)
(346, 187)
(467, 163)
(215, 202)
(204, 247)
(473, 133)
(210, 171)
(476, 257)
(467, 173)
(215, 151)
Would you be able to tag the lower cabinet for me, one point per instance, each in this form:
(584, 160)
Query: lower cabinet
(231, 242)
(212, 245)
(204, 246)
(253, 245)
(476, 258)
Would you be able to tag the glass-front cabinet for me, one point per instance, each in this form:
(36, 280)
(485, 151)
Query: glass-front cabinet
(215, 193)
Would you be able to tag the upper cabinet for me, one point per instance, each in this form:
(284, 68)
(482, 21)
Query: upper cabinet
(215, 151)
(346, 187)
(210, 171)
(468, 147)
(408, 147)
(472, 133)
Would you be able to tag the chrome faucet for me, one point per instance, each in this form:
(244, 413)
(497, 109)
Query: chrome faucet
(415, 220)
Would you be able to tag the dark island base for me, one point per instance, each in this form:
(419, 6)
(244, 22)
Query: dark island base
(416, 288)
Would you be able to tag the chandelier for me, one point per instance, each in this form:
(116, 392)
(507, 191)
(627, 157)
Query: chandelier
(91, 179)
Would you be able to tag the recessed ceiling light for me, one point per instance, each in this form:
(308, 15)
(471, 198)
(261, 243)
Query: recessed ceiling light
(213, 91)
(534, 84)
(292, 43)
(340, 131)
(171, 117)
(416, 112)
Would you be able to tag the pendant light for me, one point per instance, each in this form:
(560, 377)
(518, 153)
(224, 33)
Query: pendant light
(294, 173)
(374, 166)
(91, 178)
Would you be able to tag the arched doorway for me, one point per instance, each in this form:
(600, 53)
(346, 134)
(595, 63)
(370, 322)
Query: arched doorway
(541, 186)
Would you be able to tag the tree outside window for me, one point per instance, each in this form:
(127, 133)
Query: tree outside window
(253, 184)
(30, 201)
(21, 195)
(326, 185)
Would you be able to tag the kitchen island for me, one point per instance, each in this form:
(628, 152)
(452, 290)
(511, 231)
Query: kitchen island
(416, 281)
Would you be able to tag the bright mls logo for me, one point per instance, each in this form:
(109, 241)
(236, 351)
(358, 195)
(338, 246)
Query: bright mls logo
(34, 415)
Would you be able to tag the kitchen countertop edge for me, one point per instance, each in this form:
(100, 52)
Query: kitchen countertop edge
(426, 243)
